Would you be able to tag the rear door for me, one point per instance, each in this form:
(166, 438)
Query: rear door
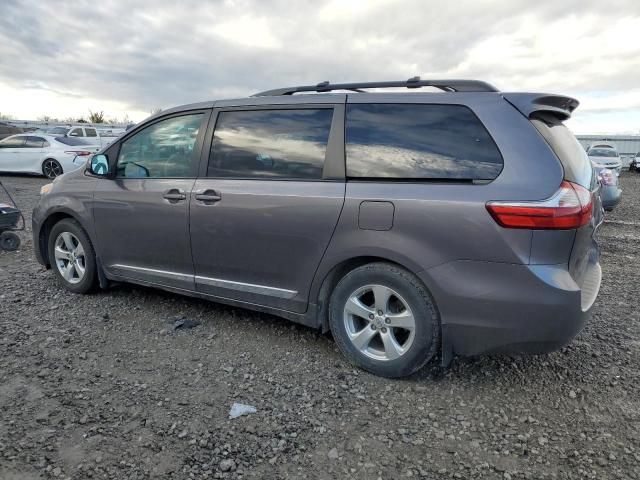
(266, 204)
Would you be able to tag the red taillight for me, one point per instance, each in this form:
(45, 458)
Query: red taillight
(570, 207)
(78, 153)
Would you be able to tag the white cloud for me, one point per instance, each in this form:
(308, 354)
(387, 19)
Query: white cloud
(132, 58)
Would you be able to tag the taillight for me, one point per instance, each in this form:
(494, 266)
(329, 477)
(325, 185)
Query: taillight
(79, 153)
(570, 207)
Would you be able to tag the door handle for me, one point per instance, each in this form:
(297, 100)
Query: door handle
(174, 195)
(207, 196)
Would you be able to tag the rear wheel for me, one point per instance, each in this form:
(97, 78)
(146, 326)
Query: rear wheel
(72, 256)
(9, 241)
(51, 168)
(384, 320)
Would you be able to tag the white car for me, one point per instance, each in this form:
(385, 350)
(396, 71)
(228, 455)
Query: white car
(605, 157)
(44, 154)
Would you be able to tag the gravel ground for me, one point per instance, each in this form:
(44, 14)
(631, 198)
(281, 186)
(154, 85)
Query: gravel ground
(98, 387)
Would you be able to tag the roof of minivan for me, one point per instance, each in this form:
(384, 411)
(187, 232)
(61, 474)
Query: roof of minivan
(527, 103)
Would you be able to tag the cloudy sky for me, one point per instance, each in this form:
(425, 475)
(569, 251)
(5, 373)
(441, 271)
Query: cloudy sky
(63, 58)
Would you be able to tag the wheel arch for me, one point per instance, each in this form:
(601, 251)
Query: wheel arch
(45, 230)
(331, 275)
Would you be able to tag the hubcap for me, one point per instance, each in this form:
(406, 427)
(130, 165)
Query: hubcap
(70, 258)
(52, 169)
(379, 322)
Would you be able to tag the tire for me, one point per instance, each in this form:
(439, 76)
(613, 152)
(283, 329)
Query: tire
(51, 168)
(390, 345)
(75, 256)
(9, 241)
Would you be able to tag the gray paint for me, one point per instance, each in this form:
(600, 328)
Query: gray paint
(272, 245)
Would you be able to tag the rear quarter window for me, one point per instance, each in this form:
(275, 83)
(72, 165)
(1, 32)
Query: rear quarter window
(575, 162)
(419, 142)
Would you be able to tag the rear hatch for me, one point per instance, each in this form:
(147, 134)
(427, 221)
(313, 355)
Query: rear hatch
(584, 265)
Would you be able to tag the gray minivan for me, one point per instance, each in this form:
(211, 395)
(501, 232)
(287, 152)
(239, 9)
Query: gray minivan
(409, 224)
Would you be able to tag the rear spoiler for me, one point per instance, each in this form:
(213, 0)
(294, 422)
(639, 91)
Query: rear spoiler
(530, 103)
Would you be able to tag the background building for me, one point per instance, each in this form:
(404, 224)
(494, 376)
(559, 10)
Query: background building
(627, 145)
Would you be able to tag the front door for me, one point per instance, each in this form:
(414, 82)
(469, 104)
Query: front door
(142, 213)
(264, 211)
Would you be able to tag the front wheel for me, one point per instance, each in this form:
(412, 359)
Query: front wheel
(51, 168)
(384, 320)
(72, 256)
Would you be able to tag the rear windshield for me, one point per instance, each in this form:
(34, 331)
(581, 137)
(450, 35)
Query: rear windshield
(603, 152)
(574, 159)
(72, 141)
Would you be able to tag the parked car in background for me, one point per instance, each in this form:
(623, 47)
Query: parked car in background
(7, 130)
(605, 157)
(44, 154)
(416, 223)
(635, 163)
(610, 191)
(93, 135)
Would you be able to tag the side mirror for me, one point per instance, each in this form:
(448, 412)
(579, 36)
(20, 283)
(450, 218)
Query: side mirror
(99, 165)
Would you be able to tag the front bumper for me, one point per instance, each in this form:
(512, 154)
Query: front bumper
(488, 307)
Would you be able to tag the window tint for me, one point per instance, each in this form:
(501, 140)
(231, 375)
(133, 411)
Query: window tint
(91, 132)
(164, 149)
(12, 142)
(76, 132)
(288, 144)
(419, 142)
(35, 142)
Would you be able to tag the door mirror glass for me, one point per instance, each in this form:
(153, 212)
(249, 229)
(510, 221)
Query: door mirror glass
(99, 165)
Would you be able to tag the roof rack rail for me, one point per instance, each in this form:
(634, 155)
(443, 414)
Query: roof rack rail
(415, 82)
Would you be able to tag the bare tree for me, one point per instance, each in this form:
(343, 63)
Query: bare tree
(96, 117)
(155, 111)
(5, 116)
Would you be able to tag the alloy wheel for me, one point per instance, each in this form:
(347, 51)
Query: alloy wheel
(379, 322)
(51, 168)
(70, 257)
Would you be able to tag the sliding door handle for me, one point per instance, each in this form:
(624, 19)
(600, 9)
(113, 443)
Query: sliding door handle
(207, 196)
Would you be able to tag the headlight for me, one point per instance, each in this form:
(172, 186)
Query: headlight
(46, 188)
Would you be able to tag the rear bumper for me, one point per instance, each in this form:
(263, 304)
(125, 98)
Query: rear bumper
(490, 307)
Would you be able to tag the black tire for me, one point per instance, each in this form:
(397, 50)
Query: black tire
(51, 168)
(90, 277)
(9, 241)
(426, 340)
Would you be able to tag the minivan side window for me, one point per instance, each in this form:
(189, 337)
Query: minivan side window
(163, 150)
(270, 144)
(419, 142)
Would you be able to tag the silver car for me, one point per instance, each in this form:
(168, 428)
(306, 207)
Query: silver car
(409, 224)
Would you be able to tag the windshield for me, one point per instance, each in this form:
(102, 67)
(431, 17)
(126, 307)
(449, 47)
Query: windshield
(58, 130)
(603, 152)
(73, 141)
